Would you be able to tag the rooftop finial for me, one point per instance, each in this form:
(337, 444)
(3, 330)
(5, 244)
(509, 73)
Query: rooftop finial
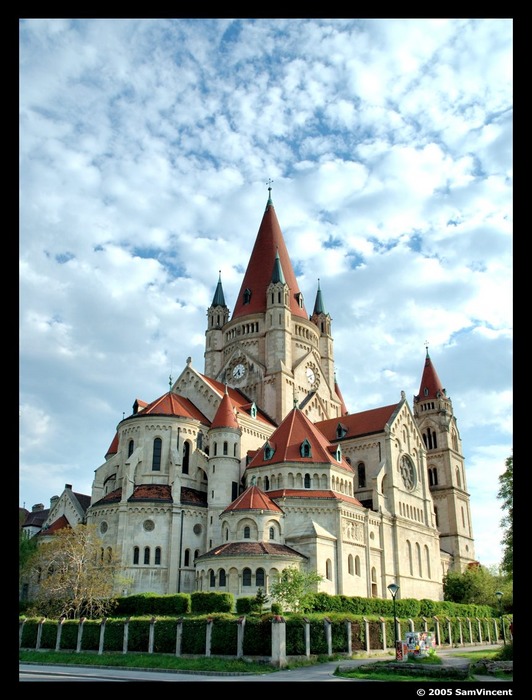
(427, 347)
(269, 183)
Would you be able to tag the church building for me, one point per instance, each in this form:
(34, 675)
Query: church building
(255, 464)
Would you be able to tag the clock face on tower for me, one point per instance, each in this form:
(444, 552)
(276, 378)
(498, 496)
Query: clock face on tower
(408, 472)
(239, 371)
(311, 377)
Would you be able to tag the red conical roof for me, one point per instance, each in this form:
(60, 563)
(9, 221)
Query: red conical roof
(253, 498)
(258, 275)
(431, 386)
(225, 414)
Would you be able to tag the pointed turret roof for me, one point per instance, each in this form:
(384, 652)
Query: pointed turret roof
(431, 386)
(285, 444)
(253, 498)
(268, 244)
(277, 274)
(225, 414)
(218, 298)
(319, 306)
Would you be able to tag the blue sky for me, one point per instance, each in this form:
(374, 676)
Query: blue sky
(145, 150)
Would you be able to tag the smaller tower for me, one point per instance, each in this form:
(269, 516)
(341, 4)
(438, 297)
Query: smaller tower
(433, 412)
(322, 320)
(217, 317)
(223, 467)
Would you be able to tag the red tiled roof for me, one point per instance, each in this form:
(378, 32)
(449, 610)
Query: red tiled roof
(172, 404)
(286, 442)
(152, 492)
(253, 498)
(113, 447)
(258, 276)
(225, 414)
(156, 492)
(60, 524)
(249, 548)
(358, 424)
(238, 400)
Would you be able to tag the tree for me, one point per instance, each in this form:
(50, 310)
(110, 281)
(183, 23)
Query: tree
(506, 494)
(260, 600)
(293, 588)
(74, 575)
(477, 585)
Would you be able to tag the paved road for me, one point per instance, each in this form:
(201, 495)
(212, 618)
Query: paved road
(314, 674)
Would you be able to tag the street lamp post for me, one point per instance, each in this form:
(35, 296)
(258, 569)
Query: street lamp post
(393, 588)
(499, 597)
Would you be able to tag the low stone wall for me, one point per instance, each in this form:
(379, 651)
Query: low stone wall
(486, 667)
(409, 669)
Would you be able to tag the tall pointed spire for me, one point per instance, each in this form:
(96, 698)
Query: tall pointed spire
(319, 306)
(268, 244)
(219, 299)
(277, 274)
(431, 386)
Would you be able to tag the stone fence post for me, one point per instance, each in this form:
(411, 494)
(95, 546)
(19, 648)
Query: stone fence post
(328, 635)
(278, 641)
(126, 635)
(241, 622)
(102, 636)
(59, 631)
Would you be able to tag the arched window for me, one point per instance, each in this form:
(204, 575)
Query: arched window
(247, 296)
(458, 480)
(350, 564)
(222, 577)
(186, 457)
(246, 577)
(225, 448)
(247, 532)
(304, 449)
(328, 569)
(433, 476)
(427, 560)
(357, 565)
(266, 483)
(410, 558)
(436, 516)
(130, 447)
(199, 440)
(146, 555)
(361, 471)
(307, 481)
(156, 459)
(135, 555)
(212, 579)
(187, 557)
(196, 553)
(259, 578)
(419, 564)
(157, 556)
(373, 582)
(272, 533)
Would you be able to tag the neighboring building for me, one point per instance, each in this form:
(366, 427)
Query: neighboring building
(255, 464)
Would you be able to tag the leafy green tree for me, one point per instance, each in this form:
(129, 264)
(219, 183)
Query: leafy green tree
(506, 494)
(294, 589)
(27, 546)
(260, 600)
(73, 574)
(477, 585)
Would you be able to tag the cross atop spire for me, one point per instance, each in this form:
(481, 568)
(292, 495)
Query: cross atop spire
(269, 183)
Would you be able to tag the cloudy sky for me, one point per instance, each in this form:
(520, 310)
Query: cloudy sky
(145, 151)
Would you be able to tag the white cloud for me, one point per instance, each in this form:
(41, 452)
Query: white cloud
(145, 148)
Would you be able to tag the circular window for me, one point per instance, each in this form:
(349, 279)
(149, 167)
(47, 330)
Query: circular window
(103, 527)
(149, 525)
(197, 529)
